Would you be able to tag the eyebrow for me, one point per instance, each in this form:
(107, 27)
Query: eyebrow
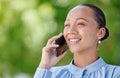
(78, 19)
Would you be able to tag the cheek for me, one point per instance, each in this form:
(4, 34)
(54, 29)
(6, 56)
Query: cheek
(89, 34)
(64, 33)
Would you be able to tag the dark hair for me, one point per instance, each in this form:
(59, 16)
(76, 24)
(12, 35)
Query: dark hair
(99, 17)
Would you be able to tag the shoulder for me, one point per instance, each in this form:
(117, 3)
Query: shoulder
(117, 72)
(59, 68)
(114, 69)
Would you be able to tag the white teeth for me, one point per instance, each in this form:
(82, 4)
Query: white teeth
(74, 40)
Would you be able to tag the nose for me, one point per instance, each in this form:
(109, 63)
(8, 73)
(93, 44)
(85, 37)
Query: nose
(72, 30)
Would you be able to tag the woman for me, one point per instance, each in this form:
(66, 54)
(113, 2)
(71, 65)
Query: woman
(84, 29)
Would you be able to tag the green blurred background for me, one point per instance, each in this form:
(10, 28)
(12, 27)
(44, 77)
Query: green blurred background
(26, 25)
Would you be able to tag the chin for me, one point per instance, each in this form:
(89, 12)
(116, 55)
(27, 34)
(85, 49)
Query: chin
(77, 50)
(74, 50)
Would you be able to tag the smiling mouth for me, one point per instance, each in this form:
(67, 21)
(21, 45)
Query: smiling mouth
(74, 40)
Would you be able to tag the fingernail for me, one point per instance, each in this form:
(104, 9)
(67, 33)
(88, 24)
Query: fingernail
(57, 45)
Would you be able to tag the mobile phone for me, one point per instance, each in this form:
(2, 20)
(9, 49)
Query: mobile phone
(62, 46)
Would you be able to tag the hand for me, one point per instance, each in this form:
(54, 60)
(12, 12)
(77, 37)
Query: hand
(49, 58)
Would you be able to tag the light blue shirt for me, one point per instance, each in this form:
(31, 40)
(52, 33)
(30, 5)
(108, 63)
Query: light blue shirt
(98, 69)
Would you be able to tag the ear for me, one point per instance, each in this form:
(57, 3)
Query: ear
(101, 33)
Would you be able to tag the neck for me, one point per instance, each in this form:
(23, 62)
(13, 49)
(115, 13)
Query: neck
(83, 59)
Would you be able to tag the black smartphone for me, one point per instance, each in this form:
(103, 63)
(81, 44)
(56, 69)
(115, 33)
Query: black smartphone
(62, 46)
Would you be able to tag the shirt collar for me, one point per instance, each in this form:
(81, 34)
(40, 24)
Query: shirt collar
(88, 69)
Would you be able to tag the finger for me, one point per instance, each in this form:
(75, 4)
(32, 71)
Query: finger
(53, 46)
(51, 41)
(50, 47)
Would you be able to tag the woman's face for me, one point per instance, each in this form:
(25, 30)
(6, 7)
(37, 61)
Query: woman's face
(81, 29)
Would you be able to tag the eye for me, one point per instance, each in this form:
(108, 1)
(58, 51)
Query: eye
(81, 24)
(66, 25)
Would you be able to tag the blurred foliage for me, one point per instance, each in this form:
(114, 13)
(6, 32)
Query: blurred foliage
(26, 25)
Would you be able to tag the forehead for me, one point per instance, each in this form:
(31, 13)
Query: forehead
(80, 12)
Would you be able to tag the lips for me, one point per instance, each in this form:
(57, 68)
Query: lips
(74, 40)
